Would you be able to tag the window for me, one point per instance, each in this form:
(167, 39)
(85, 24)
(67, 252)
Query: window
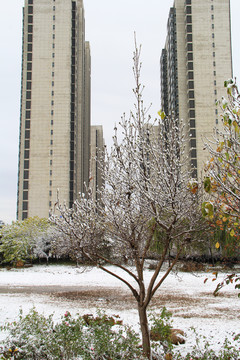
(50, 194)
(216, 111)
(29, 85)
(214, 73)
(29, 66)
(215, 92)
(27, 144)
(53, 27)
(50, 182)
(29, 57)
(213, 54)
(193, 153)
(211, 7)
(193, 132)
(53, 17)
(50, 203)
(189, 28)
(213, 45)
(191, 85)
(28, 94)
(191, 94)
(214, 63)
(26, 154)
(52, 93)
(190, 65)
(189, 19)
(53, 36)
(51, 142)
(27, 134)
(53, 64)
(190, 75)
(25, 185)
(53, 46)
(26, 164)
(192, 124)
(30, 10)
(194, 163)
(51, 122)
(190, 56)
(52, 74)
(212, 26)
(193, 143)
(213, 35)
(189, 47)
(24, 215)
(25, 205)
(51, 132)
(29, 47)
(28, 114)
(212, 17)
(25, 195)
(191, 103)
(30, 1)
(27, 124)
(30, 37)
(189, 37)
(53, 55)
(26, 174)
(29, 76)
(53, 8)
(50, 162)
(216, 121)
(192, 113)
(52, 102)
(50, 172)
(30, 28)
(188, 10)
(28, 104)
(51, 112)
(215, 82)
(30, 19)
(52, 83)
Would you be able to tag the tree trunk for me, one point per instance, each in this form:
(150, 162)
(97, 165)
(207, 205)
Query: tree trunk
(142, 311)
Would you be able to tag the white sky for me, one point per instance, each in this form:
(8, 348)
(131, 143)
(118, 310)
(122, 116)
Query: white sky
(110, 26)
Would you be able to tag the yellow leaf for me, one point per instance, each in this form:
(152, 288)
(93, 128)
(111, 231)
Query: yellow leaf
(224, 219)
(232, 232)
(217, 245)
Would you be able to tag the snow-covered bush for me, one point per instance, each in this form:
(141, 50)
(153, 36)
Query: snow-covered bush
(37, 337)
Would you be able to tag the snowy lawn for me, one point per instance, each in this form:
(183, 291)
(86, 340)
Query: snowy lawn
(56, 288)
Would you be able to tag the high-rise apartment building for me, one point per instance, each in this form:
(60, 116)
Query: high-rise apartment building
(97, 151)
(195, 62)
(54, 147)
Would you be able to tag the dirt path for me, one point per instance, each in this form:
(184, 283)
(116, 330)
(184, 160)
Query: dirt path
(204, 305)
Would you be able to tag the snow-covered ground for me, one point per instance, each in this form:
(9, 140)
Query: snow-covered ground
(55, 289)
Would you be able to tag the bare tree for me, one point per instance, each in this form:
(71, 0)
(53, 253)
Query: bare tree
(147, 187)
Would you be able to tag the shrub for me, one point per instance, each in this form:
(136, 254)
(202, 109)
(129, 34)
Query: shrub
(37, 337)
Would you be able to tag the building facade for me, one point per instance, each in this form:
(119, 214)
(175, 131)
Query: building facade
(54, 146)
(195, 62)
(97, 150)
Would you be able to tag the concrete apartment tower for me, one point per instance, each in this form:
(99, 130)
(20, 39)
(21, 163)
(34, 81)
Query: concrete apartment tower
(54, 147)
(97, 149)
(195, 62)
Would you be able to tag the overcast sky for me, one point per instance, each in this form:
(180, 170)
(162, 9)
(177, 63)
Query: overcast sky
(110, 26)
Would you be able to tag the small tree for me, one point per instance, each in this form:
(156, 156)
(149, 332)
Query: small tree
(147, 185)
(20, 238)
(222, 181)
